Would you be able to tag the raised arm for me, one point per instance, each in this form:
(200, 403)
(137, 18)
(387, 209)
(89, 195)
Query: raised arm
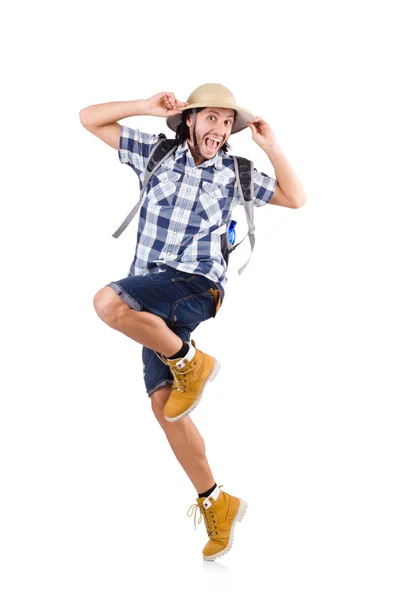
(101, 119)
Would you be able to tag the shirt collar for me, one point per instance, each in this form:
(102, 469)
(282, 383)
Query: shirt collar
(215, 161)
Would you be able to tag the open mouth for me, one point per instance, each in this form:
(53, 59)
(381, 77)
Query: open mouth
(212, 143)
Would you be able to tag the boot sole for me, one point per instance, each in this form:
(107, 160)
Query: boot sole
(211, 377)
(242, 509)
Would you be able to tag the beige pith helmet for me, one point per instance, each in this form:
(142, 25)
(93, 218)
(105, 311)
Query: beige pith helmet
(213, 95)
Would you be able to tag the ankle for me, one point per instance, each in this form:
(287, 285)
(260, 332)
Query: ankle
(183, 350)
(208, 492)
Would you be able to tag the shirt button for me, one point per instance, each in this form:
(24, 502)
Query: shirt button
(189, 189)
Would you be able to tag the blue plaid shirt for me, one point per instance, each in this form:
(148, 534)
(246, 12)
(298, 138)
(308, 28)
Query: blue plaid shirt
(186, 207)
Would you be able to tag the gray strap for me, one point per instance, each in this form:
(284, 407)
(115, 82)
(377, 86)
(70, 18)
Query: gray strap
(146, 178)
(249, 211)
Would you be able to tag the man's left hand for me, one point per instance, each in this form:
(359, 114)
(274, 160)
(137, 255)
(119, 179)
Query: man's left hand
(262, 133)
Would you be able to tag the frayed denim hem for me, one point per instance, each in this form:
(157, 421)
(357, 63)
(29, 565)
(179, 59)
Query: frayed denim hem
(160, 384)
(128, 299)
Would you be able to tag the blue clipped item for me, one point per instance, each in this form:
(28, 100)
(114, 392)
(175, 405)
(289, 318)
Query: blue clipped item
(232, 232)
(228, 240)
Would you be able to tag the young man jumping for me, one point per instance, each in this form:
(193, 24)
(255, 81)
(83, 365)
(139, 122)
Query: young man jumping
(178, 275)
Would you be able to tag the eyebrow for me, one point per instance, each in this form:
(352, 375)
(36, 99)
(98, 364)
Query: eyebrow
(218, 113)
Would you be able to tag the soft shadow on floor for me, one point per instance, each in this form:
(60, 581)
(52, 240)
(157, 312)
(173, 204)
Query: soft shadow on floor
(215, 568)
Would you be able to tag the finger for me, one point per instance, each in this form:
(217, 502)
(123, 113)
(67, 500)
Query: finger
(165, 98)
(173, 102)
(168, 102)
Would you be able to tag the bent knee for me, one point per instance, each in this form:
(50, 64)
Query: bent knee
(159, 399)
(108, 304)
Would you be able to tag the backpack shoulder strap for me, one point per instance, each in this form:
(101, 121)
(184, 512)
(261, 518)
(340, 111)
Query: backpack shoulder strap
(159, 153)
(244, 177)
(244, 170)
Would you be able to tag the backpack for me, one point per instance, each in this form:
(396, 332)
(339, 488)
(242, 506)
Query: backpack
(244, 179)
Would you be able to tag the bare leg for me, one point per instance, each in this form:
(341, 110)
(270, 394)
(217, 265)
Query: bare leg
(143, 327)
(185, 441)
(151, 331)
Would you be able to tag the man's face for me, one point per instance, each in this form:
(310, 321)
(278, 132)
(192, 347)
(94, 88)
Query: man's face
(213, 128)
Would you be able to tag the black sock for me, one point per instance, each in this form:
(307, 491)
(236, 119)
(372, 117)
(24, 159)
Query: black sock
(207, 493)
(181, 353)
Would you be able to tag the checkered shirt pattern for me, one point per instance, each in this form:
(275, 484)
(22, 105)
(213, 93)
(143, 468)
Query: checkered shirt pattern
(186, 207)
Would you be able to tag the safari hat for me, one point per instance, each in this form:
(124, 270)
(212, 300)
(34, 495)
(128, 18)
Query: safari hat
(213, 95)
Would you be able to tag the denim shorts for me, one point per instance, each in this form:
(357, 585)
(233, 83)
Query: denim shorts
(182, 300)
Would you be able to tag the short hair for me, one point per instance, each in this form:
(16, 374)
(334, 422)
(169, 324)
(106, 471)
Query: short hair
(183, 133)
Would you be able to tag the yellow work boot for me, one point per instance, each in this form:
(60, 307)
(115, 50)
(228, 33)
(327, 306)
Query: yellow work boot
(221, 512)
(191, 374)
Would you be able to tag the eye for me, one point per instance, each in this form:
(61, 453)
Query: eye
(211, 117)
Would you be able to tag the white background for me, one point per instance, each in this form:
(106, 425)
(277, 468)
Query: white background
(301, 420)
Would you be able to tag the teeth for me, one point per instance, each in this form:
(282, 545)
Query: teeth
(214, 139)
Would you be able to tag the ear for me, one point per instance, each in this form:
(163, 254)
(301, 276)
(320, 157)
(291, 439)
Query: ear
(189, 121)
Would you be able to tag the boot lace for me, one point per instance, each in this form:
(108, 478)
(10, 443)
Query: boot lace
(208, 515)
(179, 383)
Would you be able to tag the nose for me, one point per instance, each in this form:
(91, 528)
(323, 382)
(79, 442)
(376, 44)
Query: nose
(221, 132)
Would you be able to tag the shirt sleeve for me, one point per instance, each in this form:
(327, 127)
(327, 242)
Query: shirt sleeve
(264, 188)
(135, 147)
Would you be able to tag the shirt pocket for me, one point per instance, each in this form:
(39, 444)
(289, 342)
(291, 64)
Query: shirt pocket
(163, 185)
(211, 203)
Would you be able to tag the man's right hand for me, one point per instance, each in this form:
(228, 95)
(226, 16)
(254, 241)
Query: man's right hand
(163, 104)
